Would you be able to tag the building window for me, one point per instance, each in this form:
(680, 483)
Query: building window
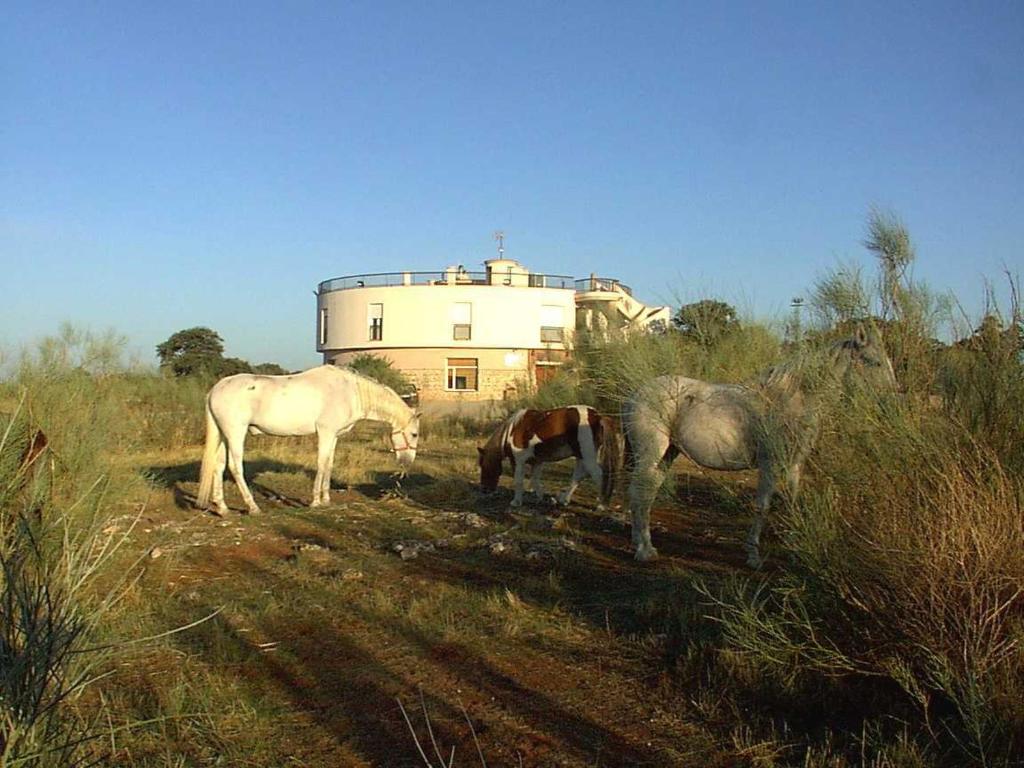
(375, 319)
(552, 323)
(462, 321)
(461, 373)
(323, 326)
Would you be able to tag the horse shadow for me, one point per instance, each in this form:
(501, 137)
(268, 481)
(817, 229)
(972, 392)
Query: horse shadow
(174, 476)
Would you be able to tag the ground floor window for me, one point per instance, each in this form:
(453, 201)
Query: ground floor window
(461, 373)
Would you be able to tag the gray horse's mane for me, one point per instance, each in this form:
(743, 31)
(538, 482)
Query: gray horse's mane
(806, 367)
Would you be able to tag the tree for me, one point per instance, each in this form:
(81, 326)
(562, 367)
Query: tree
(192, 351)
(706, 321)
(380, 369)
(269, 369)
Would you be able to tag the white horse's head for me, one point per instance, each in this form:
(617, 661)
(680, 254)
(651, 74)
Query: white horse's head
(404, 441)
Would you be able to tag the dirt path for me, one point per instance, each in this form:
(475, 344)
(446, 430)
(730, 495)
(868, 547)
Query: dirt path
(536, 639)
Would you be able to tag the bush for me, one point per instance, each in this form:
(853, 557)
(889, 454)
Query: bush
(380, 369)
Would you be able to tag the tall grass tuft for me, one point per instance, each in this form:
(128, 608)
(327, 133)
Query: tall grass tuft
(905, 582)
(55, 546)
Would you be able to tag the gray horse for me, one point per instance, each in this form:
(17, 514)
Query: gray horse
(771, 426)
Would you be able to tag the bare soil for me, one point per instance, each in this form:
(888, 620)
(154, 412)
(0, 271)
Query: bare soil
(530, 638)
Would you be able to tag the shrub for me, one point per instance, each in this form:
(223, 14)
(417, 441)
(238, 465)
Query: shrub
(381, 369)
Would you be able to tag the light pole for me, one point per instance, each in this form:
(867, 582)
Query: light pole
(797, 332)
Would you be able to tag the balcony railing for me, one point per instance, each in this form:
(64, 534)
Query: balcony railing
(444, 277)
(588, 284)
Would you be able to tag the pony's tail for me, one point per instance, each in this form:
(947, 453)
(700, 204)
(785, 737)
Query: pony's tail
(611, 456)
(209, 465)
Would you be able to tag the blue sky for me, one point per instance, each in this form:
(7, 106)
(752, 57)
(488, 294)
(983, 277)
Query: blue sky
(167, 165)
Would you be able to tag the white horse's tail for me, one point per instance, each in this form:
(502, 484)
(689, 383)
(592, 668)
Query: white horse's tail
(209, 466)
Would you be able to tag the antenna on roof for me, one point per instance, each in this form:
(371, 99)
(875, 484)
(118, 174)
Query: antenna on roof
(500, 237)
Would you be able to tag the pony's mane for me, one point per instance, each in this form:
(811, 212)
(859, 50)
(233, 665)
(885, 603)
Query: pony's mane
(495, 443)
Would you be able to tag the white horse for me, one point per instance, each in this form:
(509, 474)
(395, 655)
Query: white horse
(771, 427)
(327, 400)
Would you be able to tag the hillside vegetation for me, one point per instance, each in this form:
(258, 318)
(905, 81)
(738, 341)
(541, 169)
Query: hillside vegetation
(886, 628)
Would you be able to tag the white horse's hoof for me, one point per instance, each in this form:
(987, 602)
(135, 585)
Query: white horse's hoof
(254, 510)
(644, 554)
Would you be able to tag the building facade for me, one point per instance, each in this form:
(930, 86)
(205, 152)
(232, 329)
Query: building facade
(457, 335)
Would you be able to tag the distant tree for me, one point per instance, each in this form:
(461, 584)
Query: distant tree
(706, 321)
(229, 366)
(269, 369)
(380, 369)
(200, 352)
(191, 352)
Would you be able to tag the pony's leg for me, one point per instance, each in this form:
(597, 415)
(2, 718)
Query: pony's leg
(520, 474)
(536, 483)
(218, 479)
(593, 469)
(236, 445)
(649, 471)
(578, 473)
(326, 443)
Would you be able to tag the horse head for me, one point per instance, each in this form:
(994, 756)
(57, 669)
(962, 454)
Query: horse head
(871, 360)
(404, 441)
(490, 468)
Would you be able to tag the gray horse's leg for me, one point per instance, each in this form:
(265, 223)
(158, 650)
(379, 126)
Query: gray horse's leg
(650, 467)
(765, 491)
(236, 445)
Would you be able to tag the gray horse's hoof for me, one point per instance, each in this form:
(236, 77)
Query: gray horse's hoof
(754, 560)
(644, 554)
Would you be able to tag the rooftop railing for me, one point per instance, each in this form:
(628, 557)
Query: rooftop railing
(588, 284)
(445, 277)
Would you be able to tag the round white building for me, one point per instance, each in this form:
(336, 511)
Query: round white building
(455, 334)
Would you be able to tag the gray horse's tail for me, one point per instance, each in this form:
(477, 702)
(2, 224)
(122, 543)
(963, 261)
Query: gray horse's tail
(610, 454)
(209, 466)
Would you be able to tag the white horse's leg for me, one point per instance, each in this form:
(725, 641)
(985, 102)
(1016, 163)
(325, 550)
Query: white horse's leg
(218, 479)
(650, 465)
(578, 472)
(326, 442)
(235, 447)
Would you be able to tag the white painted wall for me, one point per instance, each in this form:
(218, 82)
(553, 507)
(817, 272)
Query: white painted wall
(503, 317)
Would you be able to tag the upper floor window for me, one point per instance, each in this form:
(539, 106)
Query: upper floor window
(375, 320)
(552, 323)
(462, 321)
(323, 326)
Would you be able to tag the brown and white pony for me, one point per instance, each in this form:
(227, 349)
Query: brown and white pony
(533, 438)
